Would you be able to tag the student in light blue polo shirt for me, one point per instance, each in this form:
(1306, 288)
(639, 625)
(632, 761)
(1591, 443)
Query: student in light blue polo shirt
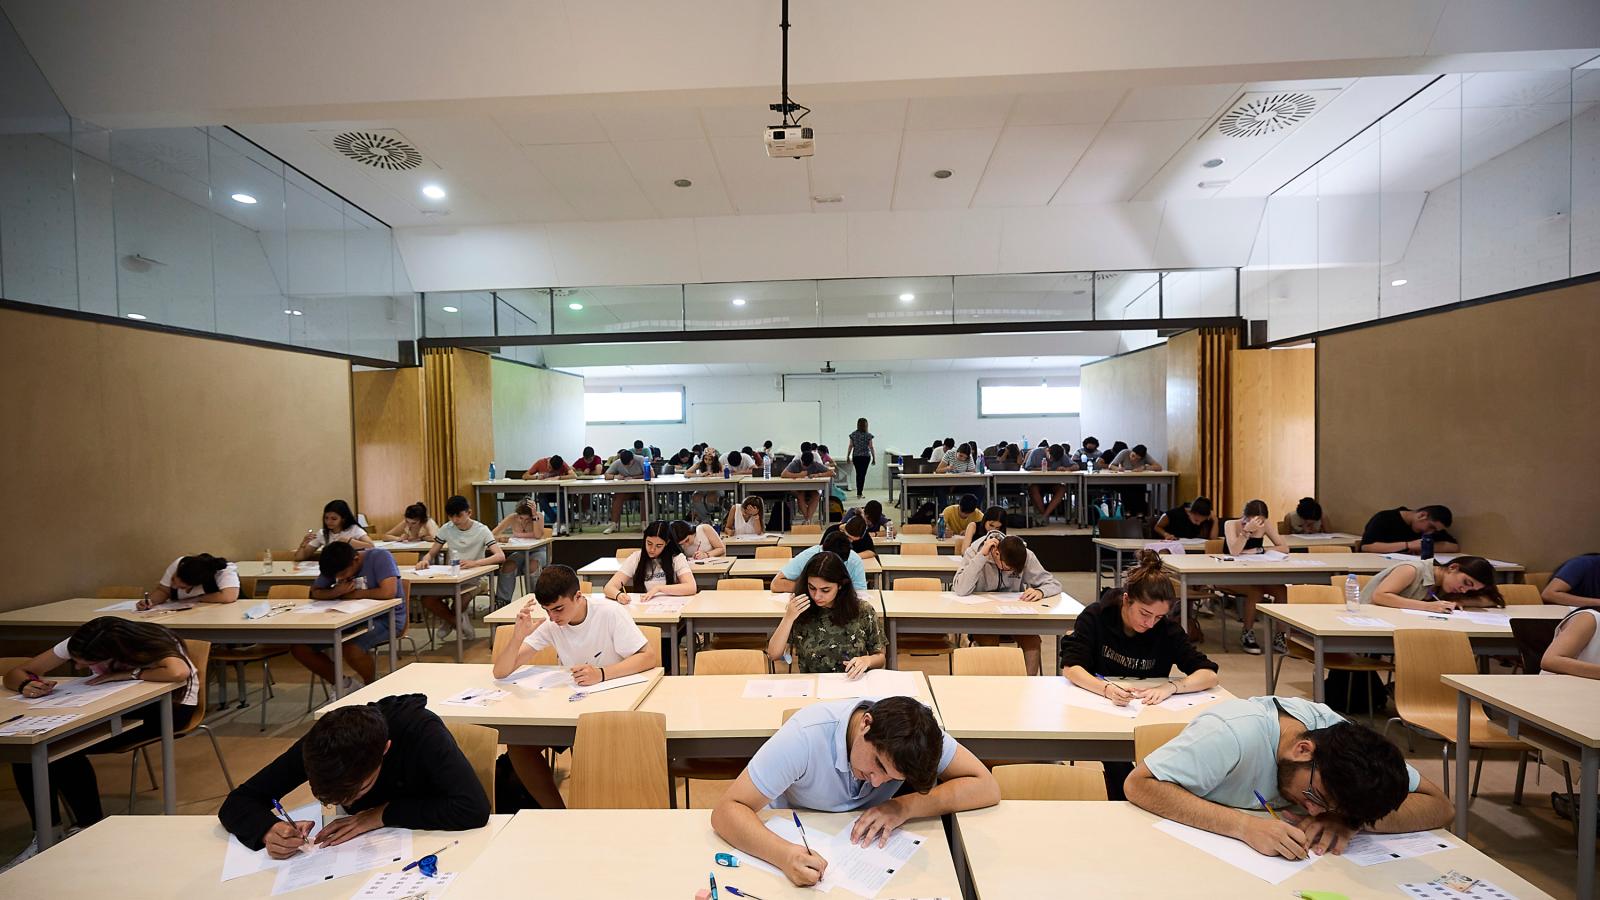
(833, 542)
(889, 757)
(1294, 753)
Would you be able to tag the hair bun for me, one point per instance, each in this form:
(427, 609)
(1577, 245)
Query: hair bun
(1147, 560)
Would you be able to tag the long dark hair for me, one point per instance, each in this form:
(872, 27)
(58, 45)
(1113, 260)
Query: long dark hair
(846, 605)
(1481, 571)
(417, 512)
(201, 570)
(123, 642)
(668, 560)
(346, 517)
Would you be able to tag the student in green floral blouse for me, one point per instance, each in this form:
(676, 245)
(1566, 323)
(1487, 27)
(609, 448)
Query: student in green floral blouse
(831, 628)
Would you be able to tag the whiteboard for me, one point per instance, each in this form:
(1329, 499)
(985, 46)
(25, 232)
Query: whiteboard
(729, 426)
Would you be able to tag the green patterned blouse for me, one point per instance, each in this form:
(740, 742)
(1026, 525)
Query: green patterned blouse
(821, 646)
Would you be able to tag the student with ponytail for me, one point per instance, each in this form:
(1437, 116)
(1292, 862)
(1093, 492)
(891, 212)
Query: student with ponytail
(416, 526)
(202, 578)
(1128, 633)
(1466, 581)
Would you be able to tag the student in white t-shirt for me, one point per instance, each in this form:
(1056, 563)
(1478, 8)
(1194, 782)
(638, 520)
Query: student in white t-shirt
(1576, 648)
(741, 462)
(744, 520)
(201, 578)
(698, 541)
(645, 574)
(470, 543)
(338, 524)
(595, 638)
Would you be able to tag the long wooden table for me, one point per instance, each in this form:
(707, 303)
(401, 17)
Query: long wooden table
(642, 613)
(737, 612)
(1071, 482)
(1557, 712)
(768, 568)
(1120, 547)
(900, 565)
(1160, 486)
(943, 612)
(707, 572)
(948, 481)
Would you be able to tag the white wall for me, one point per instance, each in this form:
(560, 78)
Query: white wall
(537, 412)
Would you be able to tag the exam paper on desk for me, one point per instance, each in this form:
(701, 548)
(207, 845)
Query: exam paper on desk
(861, 870)
(239, 860)
(1271, 869)
(78, 693)
(770, 688)
(386, 846)
(875, 683)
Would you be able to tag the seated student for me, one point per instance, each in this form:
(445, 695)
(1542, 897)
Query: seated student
(1191, 520)
(959, 461)
(855, 528)
(679, 463)
(1135, 459)
(1466, 581)
(1398, 530)
(832, 629)
(706, 507)
(547, 467)
(645, 574)
(1008, 459)
(346, 573)
(389, 764)
(527, 523)
(709, 465)
(1053, 458)
(201, 578)
(1128, 634)
(888, 757)
(824, 456)
(872, 513)
(698, 541)
(1250, 534)
(338, 524)
(626, 467)
(593, 636)
(998, 563)
(1307, 518)
(744, 520)
(957, 516)
(111, 649)
(1576, 648)
(938, 449)
(993, 522)
(1106, 458)
(1576, 583)
(589, 463)
(741, 462)
(924, 514)
(468, 542)
(417, 525)
(1089, 453)
(806, 465)
(837, 543)
(1294, 753)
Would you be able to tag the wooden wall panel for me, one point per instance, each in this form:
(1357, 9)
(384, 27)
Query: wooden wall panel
(1183, 412)
(154, 445)
(474, 419)
(1488, 409)
(390, 444)
(1125, 398)
(1273, 430)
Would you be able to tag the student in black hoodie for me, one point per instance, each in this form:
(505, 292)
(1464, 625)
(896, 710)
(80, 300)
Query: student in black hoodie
(389, 763)
(1128, 634)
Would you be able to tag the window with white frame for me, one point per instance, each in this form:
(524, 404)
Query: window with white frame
(656, 404)
(998, 398)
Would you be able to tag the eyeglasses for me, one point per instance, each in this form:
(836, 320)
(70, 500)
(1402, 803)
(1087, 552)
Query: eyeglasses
(1310, 793)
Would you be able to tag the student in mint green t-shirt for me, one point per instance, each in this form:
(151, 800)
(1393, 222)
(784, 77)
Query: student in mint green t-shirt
(470, 543)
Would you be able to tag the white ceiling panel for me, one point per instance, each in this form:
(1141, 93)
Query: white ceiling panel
(1182, 101)
(1030, 163)
(945, 113)
(1067, 108)
(593, 178)
(757, 183)
(652, 123)
(965, 152)
(552, 126)
(1123, 157)
(858, 167)
(737, 121)
(657, 164)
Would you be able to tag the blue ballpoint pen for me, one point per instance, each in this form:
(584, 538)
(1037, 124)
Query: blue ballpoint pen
(745, 894)
(713, 877)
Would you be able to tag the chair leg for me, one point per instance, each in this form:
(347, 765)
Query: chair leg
(266, 690)
(1477, 775)
(217, 748)
(1445, 756)
(1522, 773)
(133, 778)
(244, 693)
(150, 770)
(222, 687)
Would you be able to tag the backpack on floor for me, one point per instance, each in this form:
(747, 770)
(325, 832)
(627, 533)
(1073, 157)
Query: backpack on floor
(1348, 692)
(509, 794)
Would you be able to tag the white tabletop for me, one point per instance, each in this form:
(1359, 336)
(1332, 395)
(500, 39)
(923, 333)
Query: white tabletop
(714, 706)
(524, 706)
(1021, 707)
(1327, 620)
(111, 704)
(1561, 704)
(201, 616)
(948, 605)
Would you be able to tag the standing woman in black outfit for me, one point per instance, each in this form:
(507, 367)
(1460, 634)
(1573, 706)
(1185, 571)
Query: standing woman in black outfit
(862, 453)
(1127, 634)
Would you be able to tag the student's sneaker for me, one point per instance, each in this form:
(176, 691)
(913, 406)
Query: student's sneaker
(610, 528)
(446, 631)
(467, 631)
(1247, 641)
(1280, 642)
(350, 684)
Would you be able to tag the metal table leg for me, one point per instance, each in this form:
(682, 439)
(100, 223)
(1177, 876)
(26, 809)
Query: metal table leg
(169, 762)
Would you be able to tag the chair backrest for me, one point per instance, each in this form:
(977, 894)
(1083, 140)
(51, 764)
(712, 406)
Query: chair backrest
(199, 655)
(619, 761)
(919, 549)
(652, 635)
(916, 529)
(587, 587)
(1149, 738)
(1121, 528)
(1216, 546)
(987, 661)
(774, 553)
(788, 713)
(1421, 655)
(740, 584)
(546, 656)
(1520, 595)
(918, 584)
(1315, 593)
(1533, 637)
(289, 592)
(808, 528)
(406, 557)
(1340, 549)
(730, 662)
(480, 745)
(1539, 580)
(626, 552)
(1337, 581)
(1045, 781)
(120, 591)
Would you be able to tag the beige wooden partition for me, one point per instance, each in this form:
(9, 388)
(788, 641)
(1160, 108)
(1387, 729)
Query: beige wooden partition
(1274, 451)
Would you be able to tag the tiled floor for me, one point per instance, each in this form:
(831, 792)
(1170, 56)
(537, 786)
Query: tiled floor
(1529, 839)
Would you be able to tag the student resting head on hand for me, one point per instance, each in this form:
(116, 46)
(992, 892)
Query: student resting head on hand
(831, 627)
(338, 524)
(416, 525)
(1424, 584)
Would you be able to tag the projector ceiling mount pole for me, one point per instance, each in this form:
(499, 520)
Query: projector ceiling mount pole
(786, 107)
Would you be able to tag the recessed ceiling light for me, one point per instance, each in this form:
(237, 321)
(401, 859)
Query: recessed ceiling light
(136, 316)
(1213, 162)
(941, 173)
(433, 192)
(738, 301)
(450, 309)
(682, 182)
(288, 312)
(1397, 282)
(246, 199)
(298, 312)
(574, 306)
(1213, 185)
(907, 298)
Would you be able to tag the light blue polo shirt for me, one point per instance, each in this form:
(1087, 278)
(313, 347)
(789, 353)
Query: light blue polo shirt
(858, 570)
(1231, 750)
(806, 764)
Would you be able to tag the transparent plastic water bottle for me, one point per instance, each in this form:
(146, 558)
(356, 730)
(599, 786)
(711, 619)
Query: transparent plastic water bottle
(766, 466)
(491, 470)
(1024, 443)
(266, 560)
(1352, 593)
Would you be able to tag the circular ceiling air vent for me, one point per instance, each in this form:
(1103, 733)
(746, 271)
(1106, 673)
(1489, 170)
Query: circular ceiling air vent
(378, 150)
(1264, 115)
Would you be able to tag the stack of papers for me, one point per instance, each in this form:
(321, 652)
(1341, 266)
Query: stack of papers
(77, 693)
(339, 606)
(1265, 556)
(1366, 621)
(433, 571)
(1019, 609)
(665, 604)
(476, 697)
(240, 860)
(384, 847)
(120, 606)
(875, 683)
(26, 725)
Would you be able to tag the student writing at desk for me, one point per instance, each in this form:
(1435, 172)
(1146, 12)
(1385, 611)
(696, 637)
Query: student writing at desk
(201, 578)
(831, 628)
(1250, 534)
(1400, 530)
(855, 528)
(1191, 520)
(957, 516)
(836, 543)
(338, 524)
(470, 543)
(1307, 518)
(350, 574)
(659, 568)
(626, 467)
(1052, 458)
(416, 525)
(1128, 634)
(1424, 584)
(389, 764)
(589, 463)
(888, 757)
(1293, 753)
(806, 465)
(698, 541)
(594, 637)
(1576, 583)
(527, 523)
(1135, 459)
(1002, 563)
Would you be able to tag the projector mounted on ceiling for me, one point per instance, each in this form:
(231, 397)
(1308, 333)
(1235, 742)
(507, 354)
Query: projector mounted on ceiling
(788, 138)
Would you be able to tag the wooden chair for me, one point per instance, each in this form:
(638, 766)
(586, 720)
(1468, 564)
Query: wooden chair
(1300, 648)
(403, 558)
(1520, 595)
(1427, 706)
(480, 745)
(239, 656)
(1540, 580)
(1049, 781)
(1216, 547)
(740, 584)
(546, 656)
(774, 553)
(718, 662)
(619, 761)
(925, 644)
(119, 592)
(730, 662)
(199, 656)
(1337, 582)
(919, 549)
(587, 587)
(808, 528)
(1329, 550)
(1149, 738)
(918, 584)
(987, 661)
(916, 529)
(626, 552)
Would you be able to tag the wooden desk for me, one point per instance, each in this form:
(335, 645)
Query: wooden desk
(159, 858)
(685, 484)
(1130, 546)
(1000, 864)
(930, 481)
(510, 545)
(1373, 563)
(96, 721)
(899, 565)
(1558, 711)
(709, 716)
(1070, 481)
(746, 545)
(1023, 717)
(598, 484)
(1161, 486)
(1330, 634)
(641, 613)
(942, 612)
(755, 484)
(509, 488)
(1300, 568)
(707, 572)
(219, 623)
(883, 544)
(767, 569)
(445, 584)
(573, 853)
(527, 717)
(735, 612)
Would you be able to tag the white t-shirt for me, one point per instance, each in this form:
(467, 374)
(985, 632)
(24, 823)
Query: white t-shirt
(606, 636)
(227, 578)
(653, 575)
(191, 685)
(1591, 652)
(743, 526)
(354, 531)
(698, 541)
(745, 466)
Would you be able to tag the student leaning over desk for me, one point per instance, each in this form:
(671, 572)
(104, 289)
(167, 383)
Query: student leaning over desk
(1576, 583)
(998, 562)
(659, 568)
(201, 578)
(526, 522)
(346, 573)
(416, 525)
(470, 543)
(1251, 534)
(1425, 585)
